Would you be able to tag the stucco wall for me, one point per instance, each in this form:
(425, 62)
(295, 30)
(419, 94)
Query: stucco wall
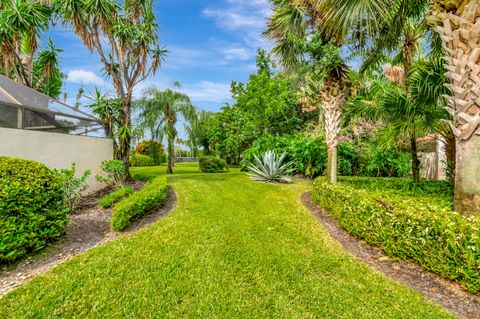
(58, 150)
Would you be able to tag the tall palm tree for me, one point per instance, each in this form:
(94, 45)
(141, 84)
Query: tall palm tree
(164, 108)
(457, 23)
(296, 27)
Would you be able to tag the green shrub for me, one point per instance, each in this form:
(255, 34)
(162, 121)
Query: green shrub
(73, 186)
(139, 160)
(139, 204)
(417, 228)
(212, 164)
(32, 207)
(154, 150)
(381, 162)
(114, 197)
(114, 173)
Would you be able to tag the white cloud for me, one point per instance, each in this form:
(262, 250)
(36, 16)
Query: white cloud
(246, 18)
(207, 91)
(237, 53)
(84, 77)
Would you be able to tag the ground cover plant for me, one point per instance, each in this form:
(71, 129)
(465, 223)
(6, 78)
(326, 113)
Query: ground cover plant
(141, 203)
(230, 247)
(413, 222)
(33, 210)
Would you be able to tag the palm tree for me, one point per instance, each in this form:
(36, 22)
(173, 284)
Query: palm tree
(164, 108)
(455, 21)
(296, 27)
(108, 111)
(457, 24)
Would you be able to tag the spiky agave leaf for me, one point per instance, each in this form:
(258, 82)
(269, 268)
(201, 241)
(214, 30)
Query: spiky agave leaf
(270, 168)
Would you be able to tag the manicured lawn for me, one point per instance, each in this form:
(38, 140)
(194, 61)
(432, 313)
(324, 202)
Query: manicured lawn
(232, 248)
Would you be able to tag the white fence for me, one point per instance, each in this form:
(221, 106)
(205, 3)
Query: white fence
(58, 150)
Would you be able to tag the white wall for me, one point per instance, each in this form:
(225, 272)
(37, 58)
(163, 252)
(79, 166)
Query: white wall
(57, 150)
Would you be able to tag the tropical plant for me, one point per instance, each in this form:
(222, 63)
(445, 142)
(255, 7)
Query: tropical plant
(113, 174)
(163, 108)
(107, 110)
(125, 37)
(271, 168)
(73, 186)
(299, 41)
(153, 149)
(212, 164)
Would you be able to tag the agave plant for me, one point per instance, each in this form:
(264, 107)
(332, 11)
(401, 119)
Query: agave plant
(270, 168)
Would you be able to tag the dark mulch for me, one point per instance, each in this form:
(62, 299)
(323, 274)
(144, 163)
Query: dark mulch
(450, 295)
(89, 228)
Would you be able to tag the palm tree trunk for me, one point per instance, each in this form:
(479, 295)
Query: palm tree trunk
(457, 27)
(170, 156)
(415, 160)
(333, 99)
(332, 164)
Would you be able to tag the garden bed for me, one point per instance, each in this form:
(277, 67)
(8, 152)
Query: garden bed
(451, 295)
(89, 227)
(414, 223)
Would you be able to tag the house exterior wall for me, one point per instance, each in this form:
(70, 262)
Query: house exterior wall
(58, 150)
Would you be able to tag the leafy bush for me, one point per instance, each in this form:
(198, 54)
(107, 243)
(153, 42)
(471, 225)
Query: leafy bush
(271, 168)
(114, 197)
(212, 164)
(114, 174)
(381, 162)
(154, 150)
(418, 228)
(139, 204)
(32, 207)
(73, 186)
(139, 160)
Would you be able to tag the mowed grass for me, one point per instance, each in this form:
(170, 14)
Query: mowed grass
(232, 248)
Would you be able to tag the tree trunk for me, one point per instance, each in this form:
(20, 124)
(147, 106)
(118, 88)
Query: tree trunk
(457, 27)
(450, 152)
(415, 160)
(467, 188)
(332, 165)
(170, 156)
(333, 100)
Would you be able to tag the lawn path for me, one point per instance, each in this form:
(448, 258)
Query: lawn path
(232, 248)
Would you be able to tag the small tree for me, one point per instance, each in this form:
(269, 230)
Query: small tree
(125, 37)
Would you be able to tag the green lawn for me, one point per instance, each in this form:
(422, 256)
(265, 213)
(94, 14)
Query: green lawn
(233, 248)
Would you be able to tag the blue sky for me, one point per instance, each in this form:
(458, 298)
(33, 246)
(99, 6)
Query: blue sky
(211, 43)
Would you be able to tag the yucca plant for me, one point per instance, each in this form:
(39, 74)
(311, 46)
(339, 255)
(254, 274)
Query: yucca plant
(270, 168)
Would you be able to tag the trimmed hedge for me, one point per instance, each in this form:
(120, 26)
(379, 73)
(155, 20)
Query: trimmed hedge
(405, 226)
(212, 164)
(33, 211)
(114, 197)
(151, 197)
(139, 160)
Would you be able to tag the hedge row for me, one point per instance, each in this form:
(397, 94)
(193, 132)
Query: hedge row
(114, 197)
(32, 207)
(139, 160)
(151, 197)
(408, 227)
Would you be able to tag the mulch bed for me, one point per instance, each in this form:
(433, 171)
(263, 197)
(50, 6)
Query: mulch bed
(89, 228)
(450, 295)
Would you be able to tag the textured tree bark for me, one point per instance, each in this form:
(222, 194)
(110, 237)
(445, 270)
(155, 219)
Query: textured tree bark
(457, 23)
(467, 190)
(333, 100)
